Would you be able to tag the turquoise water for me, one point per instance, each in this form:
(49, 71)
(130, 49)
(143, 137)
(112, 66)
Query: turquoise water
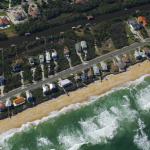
(119, 120)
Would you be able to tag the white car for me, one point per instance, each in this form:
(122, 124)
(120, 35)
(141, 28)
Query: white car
(41, 59)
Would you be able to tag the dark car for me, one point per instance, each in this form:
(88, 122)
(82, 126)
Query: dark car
(16, 68)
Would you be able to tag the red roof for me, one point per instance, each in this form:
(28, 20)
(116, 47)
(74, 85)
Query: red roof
(143, 20)
(4, 21)
(2, 105)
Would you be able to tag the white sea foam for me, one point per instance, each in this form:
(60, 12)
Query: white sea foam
(71, 141)
(141, 139)
(143, 99)
(93, 130)
(97, 129)
(25, 127)
(42, 141)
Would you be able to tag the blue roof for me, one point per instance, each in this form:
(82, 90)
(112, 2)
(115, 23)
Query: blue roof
(2, 81)
(137, 26)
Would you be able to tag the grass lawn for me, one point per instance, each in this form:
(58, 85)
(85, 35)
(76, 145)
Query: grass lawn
(10, 32)
(2, 13)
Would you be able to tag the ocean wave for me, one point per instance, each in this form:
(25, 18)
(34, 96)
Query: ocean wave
(97, 129)
(71, 141)
(143, 99)
(141, 139)
(42, 141)
(25, 127)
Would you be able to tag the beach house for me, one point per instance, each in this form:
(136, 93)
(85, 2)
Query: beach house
(41, 59)
(53, 88)
(33, 10)
(65, 83)
(2, 106)
(4, 22)
(66, 52)
(134, 25)
(96, 70)
(2, 81)
(47, 57)
(54, 55)
(104, 66)
(45, 90)
(142, 20)
(137, 55)
(18, 101)
(16, 68)
(84, 77)
(83, 45)
(30, 97)
(17, 14)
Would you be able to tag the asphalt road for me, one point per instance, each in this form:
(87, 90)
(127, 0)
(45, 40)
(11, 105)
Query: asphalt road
(76, 69)
(61, 28)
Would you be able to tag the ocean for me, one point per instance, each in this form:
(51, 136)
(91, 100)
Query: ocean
(117, 120)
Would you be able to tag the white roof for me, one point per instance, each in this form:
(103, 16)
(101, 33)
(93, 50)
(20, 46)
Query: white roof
(45, 88)
(64, 82)
(118, 58)
(95, 69)
(103, 65)
(52, 86)
(83, 44)
(48, 56)
(136, 53)
(8, 103)
(141, 53)
(54, 54)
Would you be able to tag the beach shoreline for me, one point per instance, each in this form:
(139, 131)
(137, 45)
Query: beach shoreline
(80, 95)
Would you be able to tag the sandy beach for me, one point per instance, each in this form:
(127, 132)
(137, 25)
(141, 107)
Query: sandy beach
(77, 96)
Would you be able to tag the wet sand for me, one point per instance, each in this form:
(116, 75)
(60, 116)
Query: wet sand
(78, 96)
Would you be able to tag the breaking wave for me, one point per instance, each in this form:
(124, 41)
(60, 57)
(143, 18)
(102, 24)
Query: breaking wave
(97, 122)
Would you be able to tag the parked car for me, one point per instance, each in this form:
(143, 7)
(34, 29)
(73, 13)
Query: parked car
(27, 34)
(90, 17)
(73, 28)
